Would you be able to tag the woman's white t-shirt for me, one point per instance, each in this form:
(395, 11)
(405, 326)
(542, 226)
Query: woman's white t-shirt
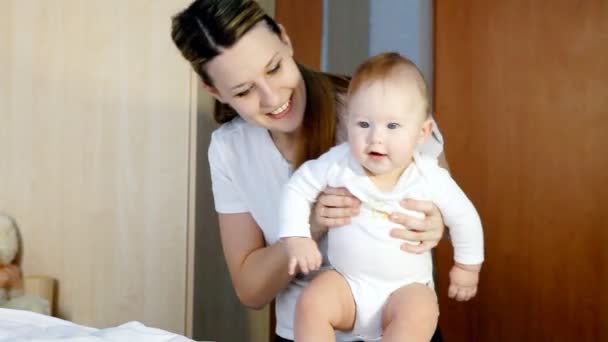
(248, 174)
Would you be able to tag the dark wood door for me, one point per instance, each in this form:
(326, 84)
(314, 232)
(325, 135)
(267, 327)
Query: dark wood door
(303, 20)
(521, 92)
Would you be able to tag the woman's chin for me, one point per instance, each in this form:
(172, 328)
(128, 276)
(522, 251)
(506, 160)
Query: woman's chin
(287, 124)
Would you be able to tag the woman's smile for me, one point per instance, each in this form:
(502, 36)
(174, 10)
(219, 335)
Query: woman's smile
(282, 111)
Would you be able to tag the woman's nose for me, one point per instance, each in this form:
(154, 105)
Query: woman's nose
(269, 97)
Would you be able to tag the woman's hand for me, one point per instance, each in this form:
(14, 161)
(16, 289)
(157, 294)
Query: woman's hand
(335, 207)
(427, 230)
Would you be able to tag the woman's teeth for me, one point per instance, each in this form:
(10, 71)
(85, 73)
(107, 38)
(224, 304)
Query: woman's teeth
(280, 109)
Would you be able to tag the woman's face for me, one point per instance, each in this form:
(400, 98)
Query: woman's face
(258, 77)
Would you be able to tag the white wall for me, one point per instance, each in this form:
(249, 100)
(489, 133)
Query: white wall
(356, 29)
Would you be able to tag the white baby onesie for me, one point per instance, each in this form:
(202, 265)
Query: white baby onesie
(363, 252)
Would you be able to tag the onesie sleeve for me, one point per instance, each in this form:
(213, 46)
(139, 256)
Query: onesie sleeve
(226, 195)
(301, 192)
(460, 216)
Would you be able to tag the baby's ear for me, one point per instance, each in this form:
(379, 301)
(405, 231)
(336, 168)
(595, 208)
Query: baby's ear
(425, 130)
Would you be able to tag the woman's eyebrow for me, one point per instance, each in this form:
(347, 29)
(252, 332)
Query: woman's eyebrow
(271, 59)
(266, 67)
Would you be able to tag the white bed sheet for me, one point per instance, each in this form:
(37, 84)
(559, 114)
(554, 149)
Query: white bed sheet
(17, 325)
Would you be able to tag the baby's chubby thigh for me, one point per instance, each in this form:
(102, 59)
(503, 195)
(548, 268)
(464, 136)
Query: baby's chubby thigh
(410, 314)
(327, 299)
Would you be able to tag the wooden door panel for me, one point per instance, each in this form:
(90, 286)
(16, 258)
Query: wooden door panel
(303, 20)
(522, 99)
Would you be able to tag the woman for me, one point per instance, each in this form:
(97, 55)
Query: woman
(287, 114)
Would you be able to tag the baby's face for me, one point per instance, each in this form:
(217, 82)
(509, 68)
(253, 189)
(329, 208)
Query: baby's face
(386, 123)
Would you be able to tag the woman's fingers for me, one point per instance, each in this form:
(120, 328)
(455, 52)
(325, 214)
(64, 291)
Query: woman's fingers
(338, 201)
(409, 221)
(424, 246)
(332, 217)
(426, 207)
(342, 191)
(427, 230)
(335, 212)
(336, 222)
(333, 221)
(335, 207)
(415, 236)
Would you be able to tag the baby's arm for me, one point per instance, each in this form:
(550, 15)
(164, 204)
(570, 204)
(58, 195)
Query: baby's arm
(466, 234)
(294, 215)
(302, 250)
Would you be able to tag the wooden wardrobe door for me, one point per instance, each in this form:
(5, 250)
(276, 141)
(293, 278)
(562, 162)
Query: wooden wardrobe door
(522, 99)
(303, 20)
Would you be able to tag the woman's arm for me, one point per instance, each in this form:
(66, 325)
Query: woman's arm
(258, 272)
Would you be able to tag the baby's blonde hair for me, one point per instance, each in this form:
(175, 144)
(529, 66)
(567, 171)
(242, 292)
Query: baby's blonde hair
(388, 66)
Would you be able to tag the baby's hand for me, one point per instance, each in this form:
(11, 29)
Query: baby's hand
(303, 254)
(463, 281)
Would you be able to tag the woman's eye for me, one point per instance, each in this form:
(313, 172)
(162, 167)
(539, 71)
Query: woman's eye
(275, 69)
(243, 93)
(393, 125)
(363, 124)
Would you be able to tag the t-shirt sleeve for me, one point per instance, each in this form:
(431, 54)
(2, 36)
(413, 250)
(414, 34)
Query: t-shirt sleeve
(226, 195)
(460, 216)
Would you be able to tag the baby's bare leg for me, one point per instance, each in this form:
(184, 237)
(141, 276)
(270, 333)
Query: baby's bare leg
(410, 314)
(325, 304)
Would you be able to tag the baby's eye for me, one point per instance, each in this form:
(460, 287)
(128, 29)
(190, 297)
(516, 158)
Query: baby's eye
(393, 125)
(363, 124)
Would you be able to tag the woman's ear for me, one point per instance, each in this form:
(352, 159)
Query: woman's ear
(285, 38)
(212, 90)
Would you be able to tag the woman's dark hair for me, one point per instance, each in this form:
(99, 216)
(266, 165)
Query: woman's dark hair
(206, 27)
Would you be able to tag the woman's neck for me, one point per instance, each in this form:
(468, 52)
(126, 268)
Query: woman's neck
(287, 143)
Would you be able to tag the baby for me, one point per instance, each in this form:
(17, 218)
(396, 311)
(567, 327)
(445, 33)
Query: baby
(375, 289)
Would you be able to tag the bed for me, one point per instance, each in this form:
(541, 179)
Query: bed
(18, 325)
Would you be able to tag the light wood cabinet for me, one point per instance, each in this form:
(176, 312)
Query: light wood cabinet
(97, 145)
